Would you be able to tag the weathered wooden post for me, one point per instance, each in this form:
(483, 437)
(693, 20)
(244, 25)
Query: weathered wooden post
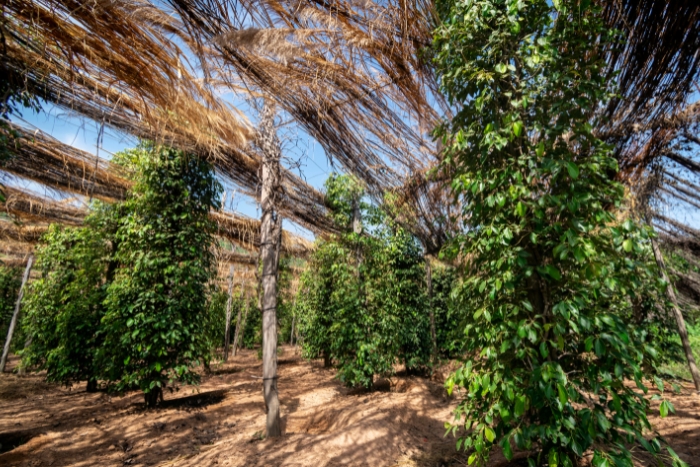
(431, 312)
(228, 312)
(15, 315)
(237, 334)
(271, 152)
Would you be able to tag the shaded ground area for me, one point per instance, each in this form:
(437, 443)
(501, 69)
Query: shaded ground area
(222, 422)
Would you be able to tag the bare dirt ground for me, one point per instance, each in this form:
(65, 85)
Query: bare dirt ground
(221, 422)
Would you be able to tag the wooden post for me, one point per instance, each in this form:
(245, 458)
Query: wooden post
(680, 322)
(291, 334)
(241, 336)
(431, 313)
(228, 312)
(237, 334)
(271, 152)
(13, 321)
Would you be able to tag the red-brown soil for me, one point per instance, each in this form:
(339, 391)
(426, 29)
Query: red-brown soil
(221, 422)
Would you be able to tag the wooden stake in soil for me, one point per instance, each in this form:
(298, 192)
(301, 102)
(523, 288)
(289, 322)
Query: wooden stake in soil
(429, 281)
(291, 334)
(241, 335)
(237, 334)
(13, 321)
(271, 152)
(228, 313)
(680, 322)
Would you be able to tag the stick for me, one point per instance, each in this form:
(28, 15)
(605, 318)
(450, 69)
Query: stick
(237, 334)
(13, 322)
(228, 312)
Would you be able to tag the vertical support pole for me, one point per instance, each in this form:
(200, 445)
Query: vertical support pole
(431, 312)
(271, 152)
(15, 315)
(680, 322)
(241, 335)
(228, 312)
(291, 334)
(237, 334)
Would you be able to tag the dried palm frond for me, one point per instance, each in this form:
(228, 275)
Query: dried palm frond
(350, 74)
(246, 232)
(36, 208)
(20, 232)
(119, 56)
(16, 248)
(43, 159)
(227, 256)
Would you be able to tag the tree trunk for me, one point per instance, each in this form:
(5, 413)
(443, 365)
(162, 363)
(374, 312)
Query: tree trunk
(91, 385)
(431, 313)
(15, 315)
(227, 334)
(270, 181)
(237, 334)
(152, 397)
(680, 322)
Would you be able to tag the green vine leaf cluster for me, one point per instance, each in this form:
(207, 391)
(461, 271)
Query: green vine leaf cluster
(554, 278)
(362, 300)
(125, 299)
(64, 306)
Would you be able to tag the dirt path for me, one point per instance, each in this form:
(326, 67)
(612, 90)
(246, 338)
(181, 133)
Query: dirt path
(222, 422)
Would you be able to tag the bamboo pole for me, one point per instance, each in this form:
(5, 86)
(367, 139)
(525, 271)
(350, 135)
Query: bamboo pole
(13, 322)
(228, 312)
(270, 265)
(680, 322)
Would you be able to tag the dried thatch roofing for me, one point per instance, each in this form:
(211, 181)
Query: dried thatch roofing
(350, 73)
(43, 159)
(36, 208)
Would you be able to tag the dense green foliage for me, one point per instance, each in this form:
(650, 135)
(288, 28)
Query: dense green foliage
(64, 306)
(362, 301)
(153, 327)
(126, 297)
(449, 317)
(554, 275)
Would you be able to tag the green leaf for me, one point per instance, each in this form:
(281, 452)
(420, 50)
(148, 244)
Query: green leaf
(573, 170)
(519, 406)
(665, 407)
(507, 450)
(490, 434)
(553, 272)
(501, 68)
(563, 396)
(627, 245)
(517, 128)
(539, 150)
